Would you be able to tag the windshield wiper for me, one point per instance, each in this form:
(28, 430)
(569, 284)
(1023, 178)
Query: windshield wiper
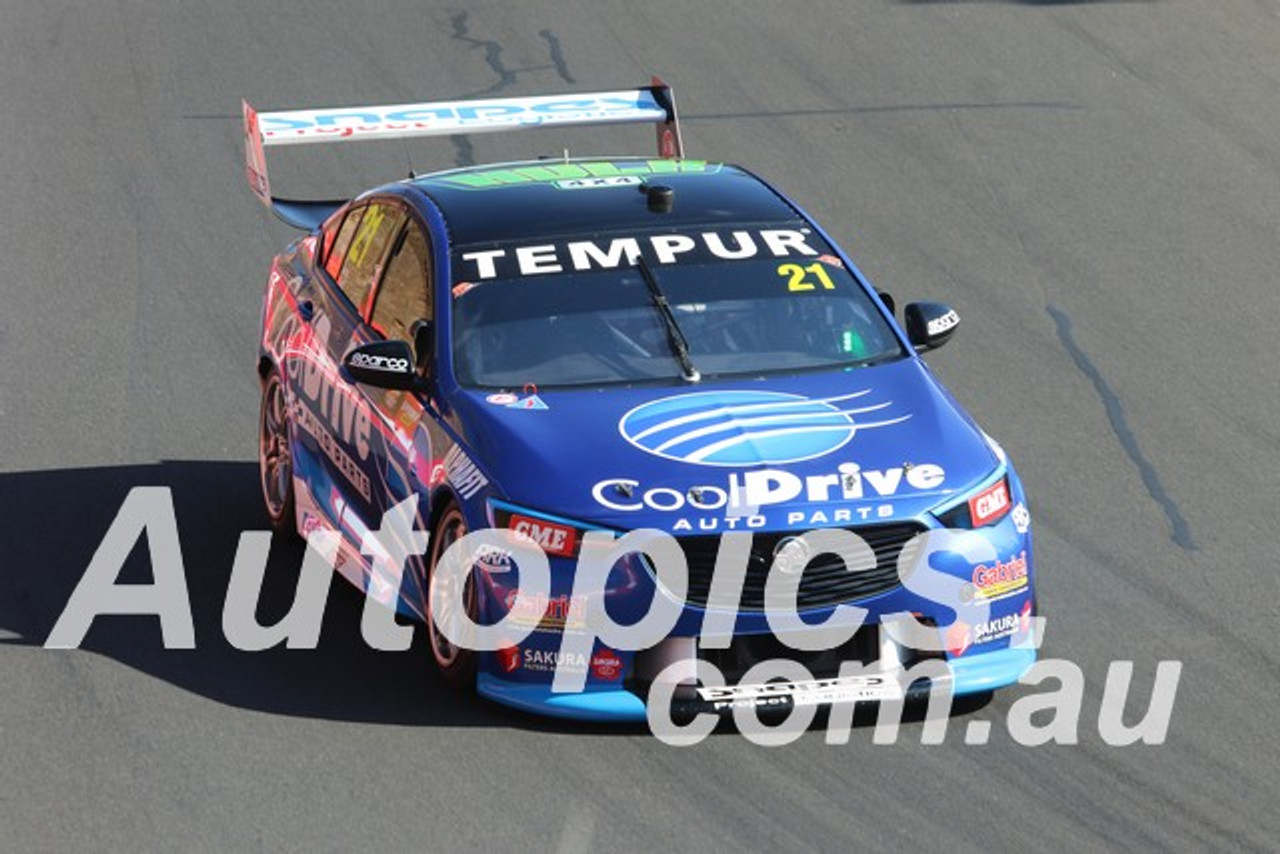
(675, 338)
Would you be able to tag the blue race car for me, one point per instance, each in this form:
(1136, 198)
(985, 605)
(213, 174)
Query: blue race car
(573, 349)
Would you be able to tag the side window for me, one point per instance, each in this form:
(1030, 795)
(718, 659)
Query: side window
(336, 241)
(404, 295)
(364, 257)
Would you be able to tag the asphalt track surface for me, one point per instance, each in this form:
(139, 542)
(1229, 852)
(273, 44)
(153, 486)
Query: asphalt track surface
(1094, 185)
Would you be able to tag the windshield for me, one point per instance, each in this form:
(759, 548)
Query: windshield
(757, 316)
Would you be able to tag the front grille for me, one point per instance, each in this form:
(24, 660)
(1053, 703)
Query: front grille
(826, 581)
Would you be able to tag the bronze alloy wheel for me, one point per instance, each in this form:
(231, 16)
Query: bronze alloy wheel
(275, 459)
(456, 665)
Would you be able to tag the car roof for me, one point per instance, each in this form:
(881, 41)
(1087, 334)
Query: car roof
(529, 200)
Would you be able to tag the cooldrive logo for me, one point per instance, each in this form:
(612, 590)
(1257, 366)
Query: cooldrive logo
(745, 428)
(745, 493)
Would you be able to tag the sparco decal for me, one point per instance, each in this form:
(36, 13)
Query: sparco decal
(375, 362)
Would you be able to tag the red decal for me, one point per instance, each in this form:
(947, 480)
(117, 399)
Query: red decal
(509, 659)
(957, 638)
(554, 539)
(989, 504)
(606, 665)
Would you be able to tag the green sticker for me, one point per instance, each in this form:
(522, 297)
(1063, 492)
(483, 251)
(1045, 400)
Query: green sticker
(561, 174)
(851, 342)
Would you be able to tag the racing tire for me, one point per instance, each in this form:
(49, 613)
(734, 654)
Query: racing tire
(457, 666)
(275, 456)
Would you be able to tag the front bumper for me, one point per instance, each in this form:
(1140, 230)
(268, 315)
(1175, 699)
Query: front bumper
(987, 655)
(974, 675)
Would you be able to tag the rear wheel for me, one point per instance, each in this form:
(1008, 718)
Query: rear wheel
(456, 665)
(275, 456)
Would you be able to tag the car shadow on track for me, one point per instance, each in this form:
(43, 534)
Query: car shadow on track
(56, 520)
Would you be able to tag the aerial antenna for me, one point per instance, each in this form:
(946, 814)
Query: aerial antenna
(408, 158)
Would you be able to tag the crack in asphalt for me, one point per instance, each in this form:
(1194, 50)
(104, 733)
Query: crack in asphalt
(557, 55)
(1179, 529)
(461, 23)
(464, 154)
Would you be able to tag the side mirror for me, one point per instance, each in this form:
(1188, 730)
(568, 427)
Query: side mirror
(424, 340)
(929, 324)
(382, 364)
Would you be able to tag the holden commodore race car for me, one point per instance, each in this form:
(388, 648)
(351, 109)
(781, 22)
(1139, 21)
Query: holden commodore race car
(571, 351)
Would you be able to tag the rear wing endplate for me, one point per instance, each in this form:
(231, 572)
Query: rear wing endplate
(653, 104)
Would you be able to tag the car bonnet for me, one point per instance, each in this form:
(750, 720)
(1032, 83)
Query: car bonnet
(867, 445)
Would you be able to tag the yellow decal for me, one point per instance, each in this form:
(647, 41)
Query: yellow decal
(373, 218)
(798, 281)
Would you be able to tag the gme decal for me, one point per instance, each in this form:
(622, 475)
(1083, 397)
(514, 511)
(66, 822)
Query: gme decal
(554, 539)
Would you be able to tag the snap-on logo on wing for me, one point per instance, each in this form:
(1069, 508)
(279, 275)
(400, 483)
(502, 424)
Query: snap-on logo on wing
(746, 428)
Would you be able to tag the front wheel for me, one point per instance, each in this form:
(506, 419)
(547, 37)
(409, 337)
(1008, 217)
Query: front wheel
(275, 456)
(456, 665)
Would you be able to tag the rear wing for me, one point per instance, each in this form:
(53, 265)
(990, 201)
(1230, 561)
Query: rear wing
(653, 104)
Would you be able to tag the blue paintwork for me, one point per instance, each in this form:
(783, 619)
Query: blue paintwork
(602, 457)
(607, 705)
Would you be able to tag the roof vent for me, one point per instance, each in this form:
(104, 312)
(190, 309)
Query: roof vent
(661, 198)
